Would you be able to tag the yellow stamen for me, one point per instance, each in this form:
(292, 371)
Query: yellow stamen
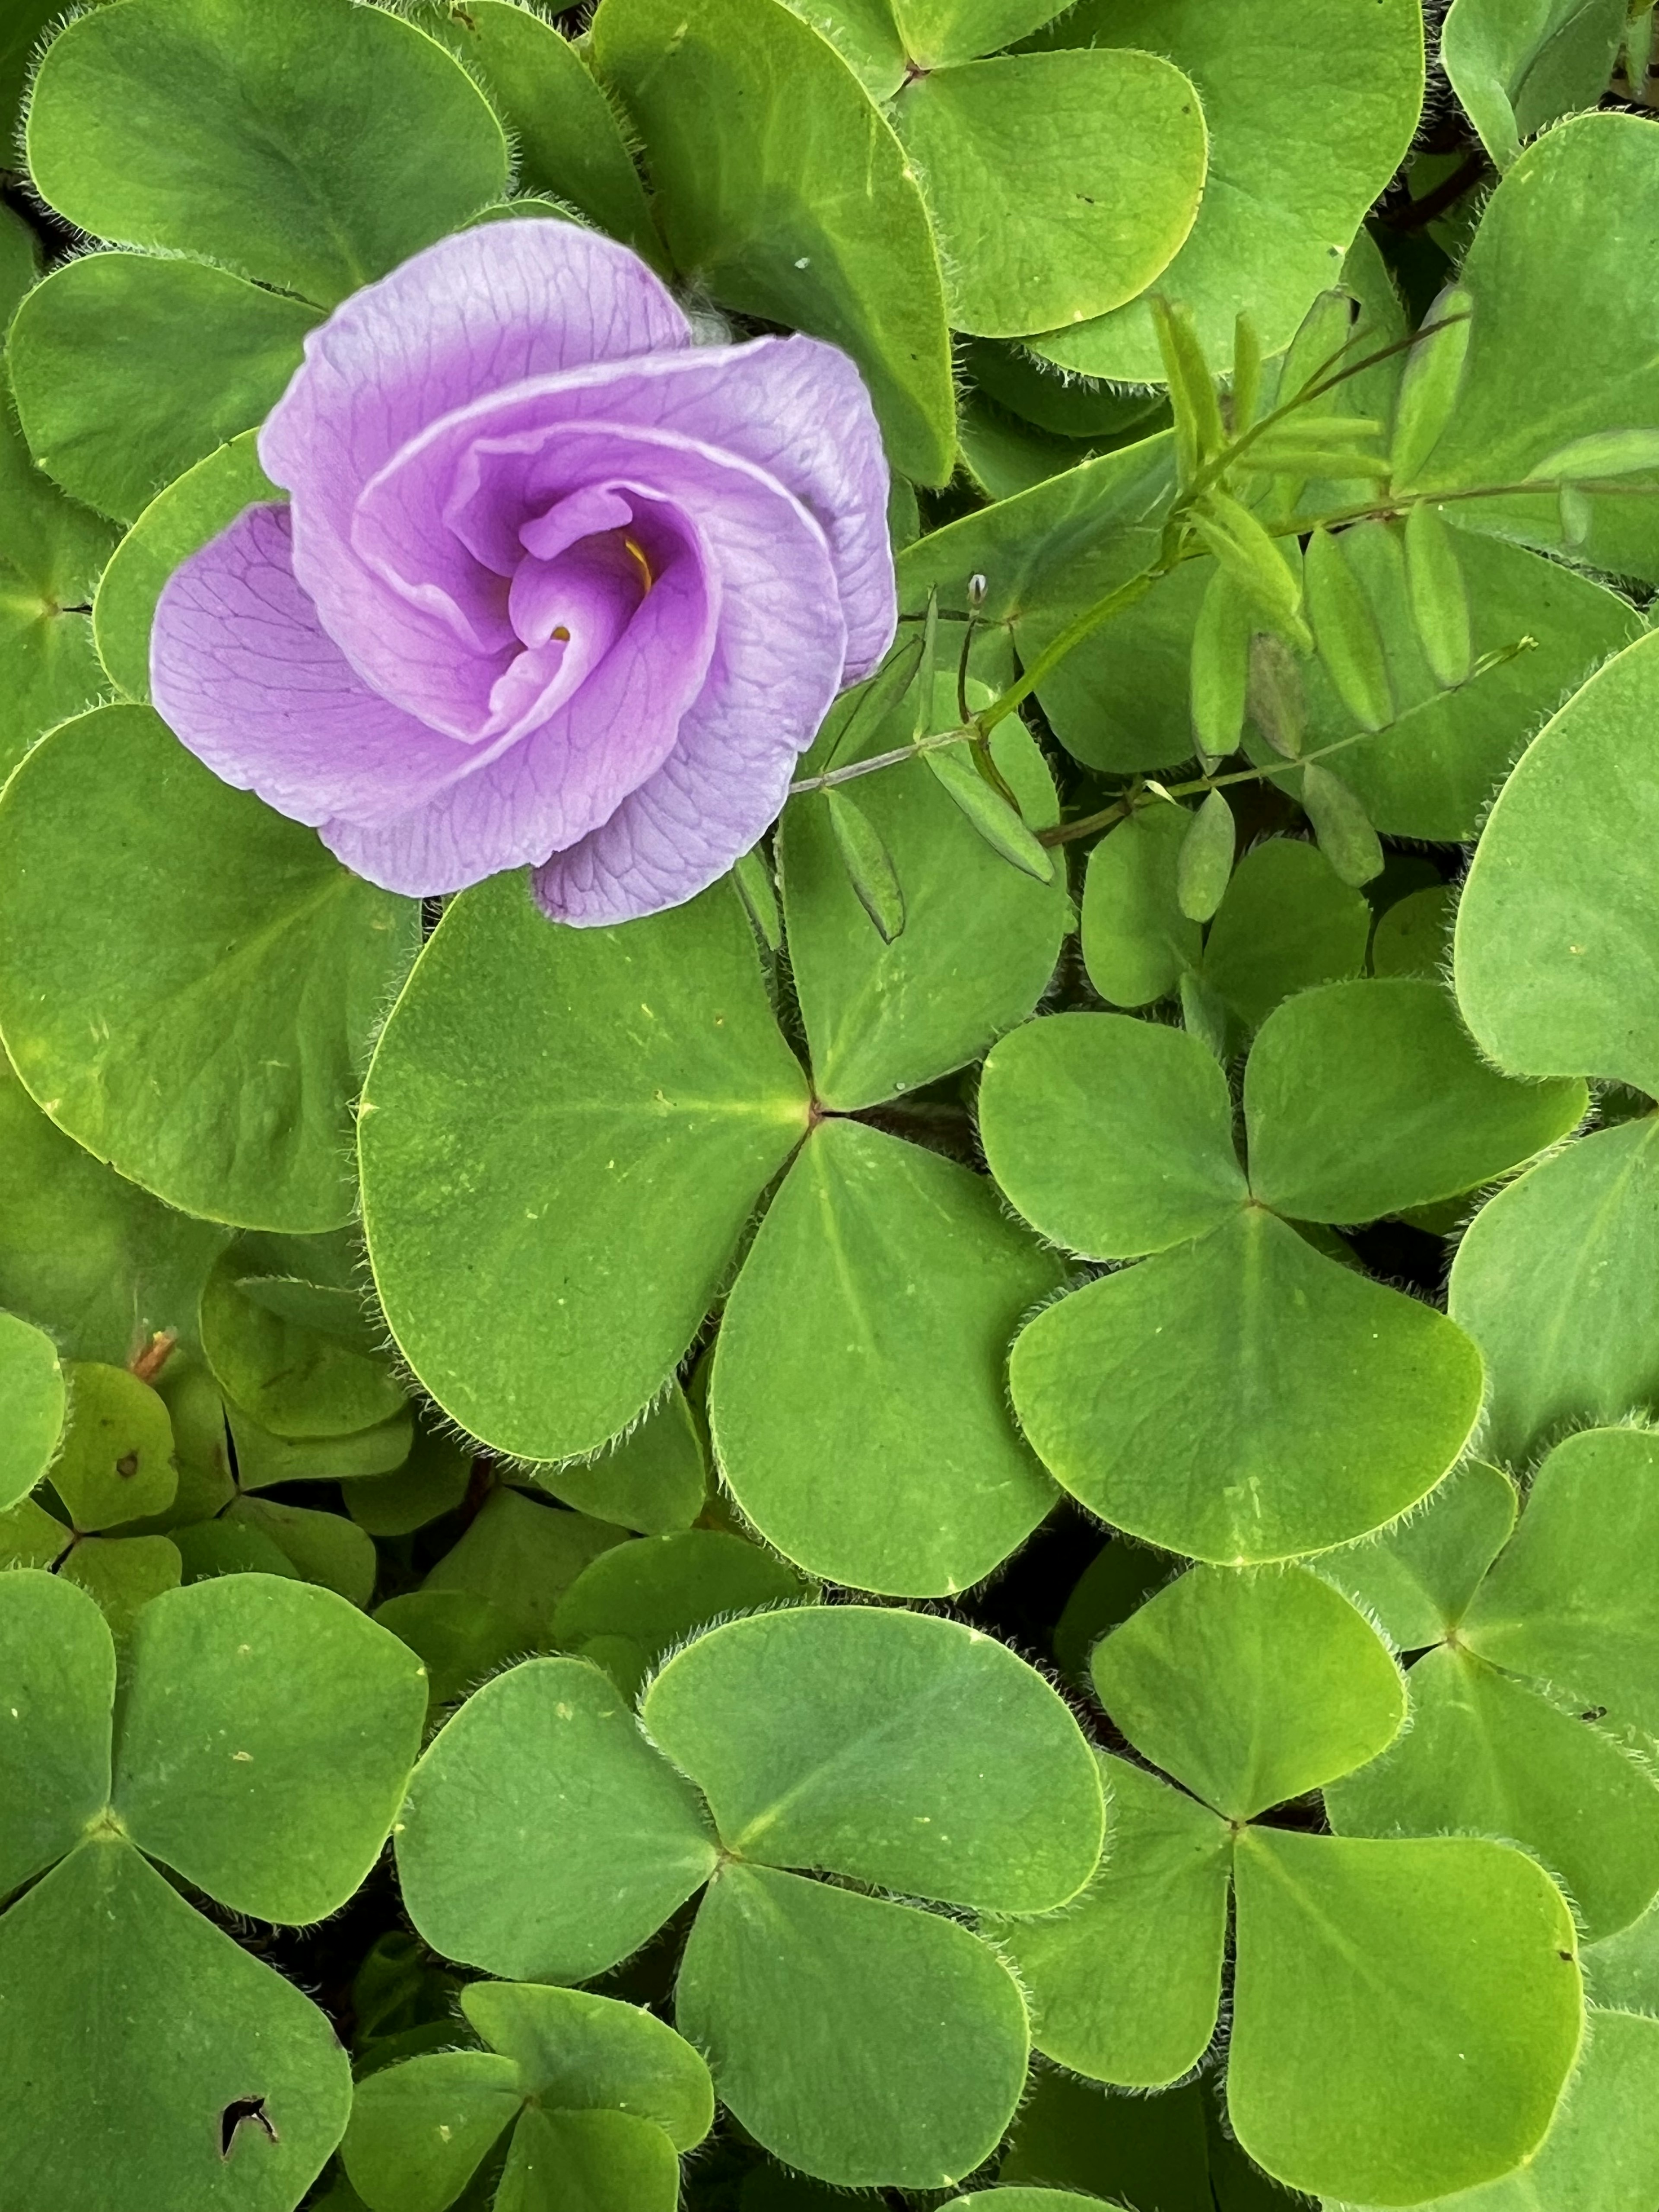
(637, 552)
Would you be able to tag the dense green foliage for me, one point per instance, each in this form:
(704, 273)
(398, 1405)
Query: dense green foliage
(977, 1518)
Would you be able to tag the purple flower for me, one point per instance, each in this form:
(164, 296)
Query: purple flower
(556, 586)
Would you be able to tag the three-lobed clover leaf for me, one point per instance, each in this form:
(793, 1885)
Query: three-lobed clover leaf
(862, 2040)
(583, 2103)
(1413, 1580)
(1404, 2012)
(114, 1482)
(543, 1100)
(141, 1492)
(856, 1396)
(259, 1750)
(1528, 1645)
(1114, 1137)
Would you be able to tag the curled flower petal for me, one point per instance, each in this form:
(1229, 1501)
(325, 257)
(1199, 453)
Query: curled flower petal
(243, 671)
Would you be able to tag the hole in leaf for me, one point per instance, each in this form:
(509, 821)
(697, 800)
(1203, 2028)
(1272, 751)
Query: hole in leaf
(236, 2114)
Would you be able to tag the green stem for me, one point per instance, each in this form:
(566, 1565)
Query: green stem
(1073, 635)
(1214, 469)
(1177, 547)
(1186, 549)
(1397, 503)
(1065, 832)
(900, 753)
(1085, 826)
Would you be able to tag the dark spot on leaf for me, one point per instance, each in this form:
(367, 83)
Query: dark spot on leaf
(127, 1464)
(240, 2111)
(1567, 1956)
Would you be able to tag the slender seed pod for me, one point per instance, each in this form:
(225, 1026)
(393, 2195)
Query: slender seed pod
(1275, 698)
(1439, 597)
(991, 815)
(869, 865)
(1345, 633)
(1429, 388)
(1341, 825)
(1220, 666)
(1203, 866)
(1257, 563)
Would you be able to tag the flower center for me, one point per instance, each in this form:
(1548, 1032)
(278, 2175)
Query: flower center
(584, 572)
